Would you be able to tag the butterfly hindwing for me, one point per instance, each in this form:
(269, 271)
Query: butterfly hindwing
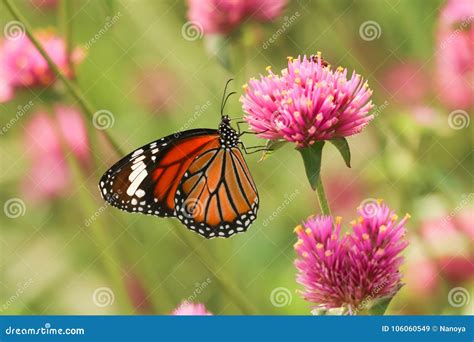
(217, 196)
(146, 180)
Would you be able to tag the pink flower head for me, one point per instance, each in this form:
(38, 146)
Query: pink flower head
(21, 65)
(191, 309)
(455, 38)
(45, 138)
(307, 102)
(223, 16)
(351, 270)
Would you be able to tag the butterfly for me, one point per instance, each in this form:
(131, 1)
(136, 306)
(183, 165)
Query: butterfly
(198, 176)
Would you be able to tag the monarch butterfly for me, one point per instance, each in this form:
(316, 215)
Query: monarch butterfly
(198, 176)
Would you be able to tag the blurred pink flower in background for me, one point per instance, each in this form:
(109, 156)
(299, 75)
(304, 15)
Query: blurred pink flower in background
(455, 53)
(424, 115)
(457, 269)
(154, 88)
(138, 294)
(359, 267)
(223, 16)
(47, 4)
(21, 65)
(307, 102)
(45, 136)
(191, 309)
(407, 83)
(344, 196)
(442, 236)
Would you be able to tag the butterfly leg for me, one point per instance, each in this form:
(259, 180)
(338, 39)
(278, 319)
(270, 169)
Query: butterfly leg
(240, 132)
(257, 148)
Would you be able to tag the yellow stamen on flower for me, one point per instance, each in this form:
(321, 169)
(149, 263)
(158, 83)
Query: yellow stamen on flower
(328, 253)
(268, 68)
(383, 228)
(289, 101)
(365, 236)
(297, 80)
(305, 254)
(319, 245)
(298, 243)
(360, 219)
(338, 220)
(298, 229)
(334, 237)
(380, 251)
(407, 216)
(308, 231)
(289, 58)
(309, 103)
(340, 68)
(379, 201)
(394, 217)
(353, 222)
(296, 71)
(319, 117)
(245, 86)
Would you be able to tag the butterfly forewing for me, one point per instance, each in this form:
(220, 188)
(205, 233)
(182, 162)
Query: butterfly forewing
(217, 195)
(146, 180)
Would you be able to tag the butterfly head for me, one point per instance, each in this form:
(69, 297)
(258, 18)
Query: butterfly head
(228, 135)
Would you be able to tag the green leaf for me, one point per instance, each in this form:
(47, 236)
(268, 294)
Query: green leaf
(272, 146)
(343, 147)
(312, 161)
(218, 47)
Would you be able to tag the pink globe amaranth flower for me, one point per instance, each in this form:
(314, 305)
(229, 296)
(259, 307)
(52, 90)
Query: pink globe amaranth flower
(45, 137)
(407, 83)
(455, 38)
(224, 16)
(306, 102)
(191, 309)
(21, 65)
(352, 270)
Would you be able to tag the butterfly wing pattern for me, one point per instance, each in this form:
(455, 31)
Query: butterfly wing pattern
(190, 175)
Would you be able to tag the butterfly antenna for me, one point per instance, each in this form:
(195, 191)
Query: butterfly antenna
(225, 101)
(224, 98)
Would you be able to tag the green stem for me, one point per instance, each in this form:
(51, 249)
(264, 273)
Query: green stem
(73, 89)
(64, 13)
(323, 201)
(224, 281)
(226, 284)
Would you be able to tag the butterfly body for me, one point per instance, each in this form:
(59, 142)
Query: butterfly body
(198, 176)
